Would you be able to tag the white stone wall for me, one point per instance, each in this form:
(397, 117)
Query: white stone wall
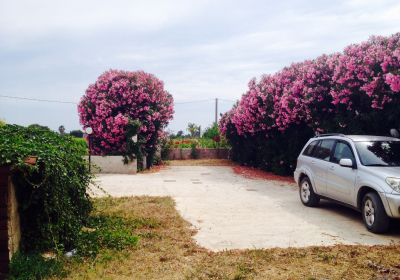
(112, 165)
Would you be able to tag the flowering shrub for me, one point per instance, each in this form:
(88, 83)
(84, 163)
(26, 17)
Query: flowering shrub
(118, 98)
(354, 92)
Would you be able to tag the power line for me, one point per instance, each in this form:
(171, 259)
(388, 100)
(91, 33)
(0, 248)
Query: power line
(43, 100)
(226, 100)
(54, 101)
(194, 101)
(204, 101)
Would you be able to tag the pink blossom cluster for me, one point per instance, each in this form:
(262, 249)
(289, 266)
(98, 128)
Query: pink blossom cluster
(364, 77)
(118, 97)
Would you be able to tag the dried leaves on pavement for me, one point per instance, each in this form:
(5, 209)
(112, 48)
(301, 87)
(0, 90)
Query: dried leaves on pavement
(202, 162)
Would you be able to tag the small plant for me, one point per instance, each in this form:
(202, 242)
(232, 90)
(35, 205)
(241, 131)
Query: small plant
(34, 266)
(195, 149)
(217, 141)
(2, 121)
(325, 257)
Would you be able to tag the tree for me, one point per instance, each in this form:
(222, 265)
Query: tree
(179, 134)
(61, 129)
(192, 128)
(2, 122)
(211, 131)
(76, 133)
(39, 126)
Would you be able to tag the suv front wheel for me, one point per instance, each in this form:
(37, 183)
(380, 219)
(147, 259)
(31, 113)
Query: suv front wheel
(374, 215)
(307, 194)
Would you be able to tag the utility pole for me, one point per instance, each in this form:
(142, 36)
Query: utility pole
(216, 110)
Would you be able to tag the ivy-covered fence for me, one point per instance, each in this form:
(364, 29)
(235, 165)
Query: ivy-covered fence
(122, 103)
(354, 92)
(53, 197)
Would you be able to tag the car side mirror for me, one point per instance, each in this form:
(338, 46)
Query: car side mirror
(346, 162)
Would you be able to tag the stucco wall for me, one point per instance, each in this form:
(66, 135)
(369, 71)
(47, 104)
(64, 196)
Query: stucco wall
(113, 165)
(172, 154)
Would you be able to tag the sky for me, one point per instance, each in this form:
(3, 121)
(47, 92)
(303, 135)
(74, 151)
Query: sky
(202, 50)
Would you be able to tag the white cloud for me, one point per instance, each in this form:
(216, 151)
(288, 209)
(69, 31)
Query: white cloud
(29, 20)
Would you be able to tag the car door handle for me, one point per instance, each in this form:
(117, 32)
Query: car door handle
(312, 162)
(332, 167)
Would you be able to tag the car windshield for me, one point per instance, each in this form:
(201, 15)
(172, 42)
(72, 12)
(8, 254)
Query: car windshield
(379, 153)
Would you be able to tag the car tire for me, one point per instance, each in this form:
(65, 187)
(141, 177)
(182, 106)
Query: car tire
(374, 215)
(307, 195)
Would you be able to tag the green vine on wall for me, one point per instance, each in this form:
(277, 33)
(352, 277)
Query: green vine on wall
(53, 198)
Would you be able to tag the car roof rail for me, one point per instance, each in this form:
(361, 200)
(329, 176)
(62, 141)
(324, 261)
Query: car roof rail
(329, 134)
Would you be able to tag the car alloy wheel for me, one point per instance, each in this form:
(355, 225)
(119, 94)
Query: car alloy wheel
(307, 195)
(369, 212)
(374, 215)
(305, 191)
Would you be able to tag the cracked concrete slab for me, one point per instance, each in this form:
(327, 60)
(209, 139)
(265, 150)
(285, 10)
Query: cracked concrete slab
(232, 212)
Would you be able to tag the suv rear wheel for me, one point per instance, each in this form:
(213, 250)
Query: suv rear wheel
(374, 215)
(307, 194)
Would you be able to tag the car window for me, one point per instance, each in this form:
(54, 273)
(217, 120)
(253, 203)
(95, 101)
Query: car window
(342, 150)
(324, 149)
(310, 148)
(379, 153)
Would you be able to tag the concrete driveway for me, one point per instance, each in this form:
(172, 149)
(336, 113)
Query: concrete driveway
(232, 212)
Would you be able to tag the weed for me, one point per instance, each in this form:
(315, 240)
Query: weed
(34, 266)
(325, 257)
(147, 222)
(106, 232)
(106, 257)
(242, 268)
(150, 235)
(301, 254)
(264, 254)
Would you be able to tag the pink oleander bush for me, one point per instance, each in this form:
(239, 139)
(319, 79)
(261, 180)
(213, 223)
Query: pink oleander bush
(354, 92)
(119, 98)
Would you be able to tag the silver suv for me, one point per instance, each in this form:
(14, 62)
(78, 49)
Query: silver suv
(358, 171)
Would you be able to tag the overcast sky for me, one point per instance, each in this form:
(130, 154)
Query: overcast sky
(201, 49)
